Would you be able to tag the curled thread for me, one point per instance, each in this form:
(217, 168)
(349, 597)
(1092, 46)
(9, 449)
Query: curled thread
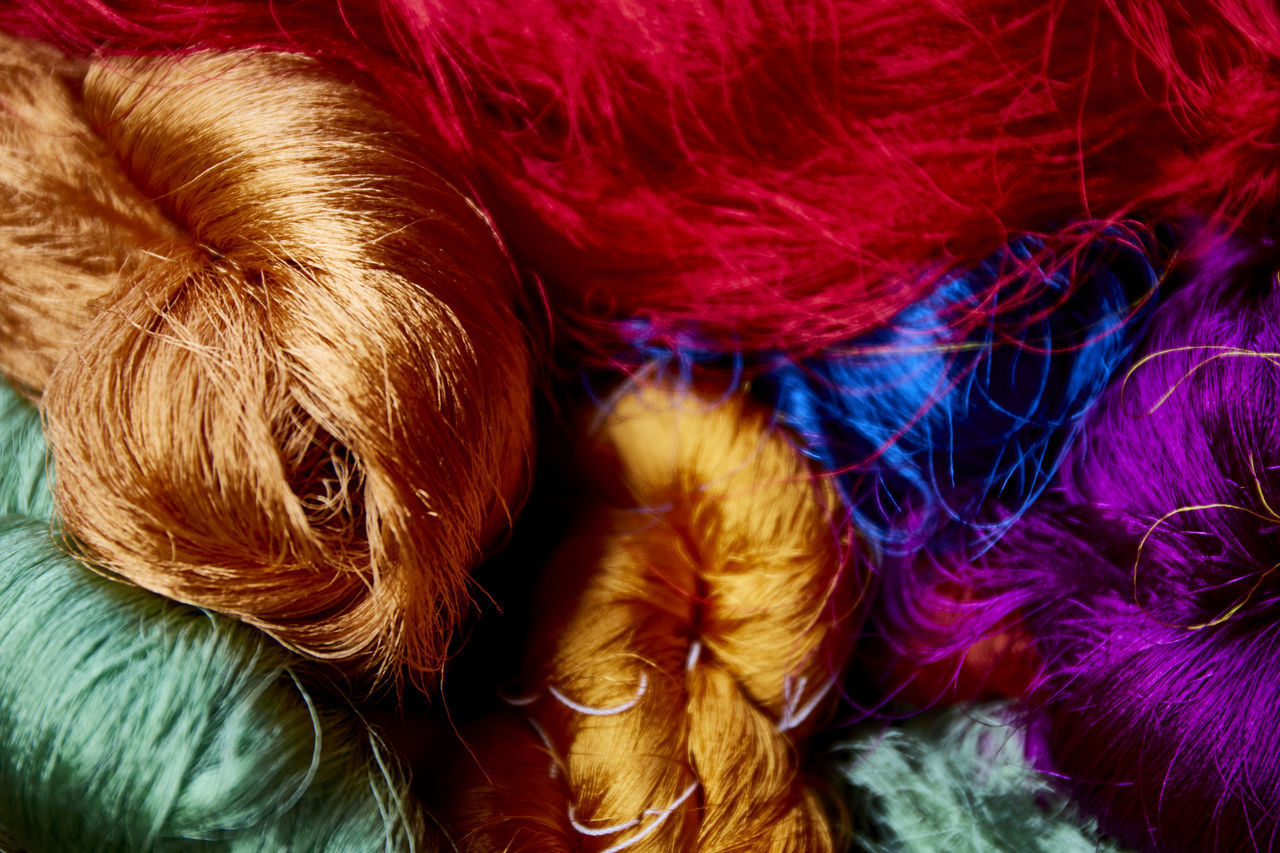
(792, 716)
(1238, 606)
(1222, 352)
(603, 712)
(660, 815)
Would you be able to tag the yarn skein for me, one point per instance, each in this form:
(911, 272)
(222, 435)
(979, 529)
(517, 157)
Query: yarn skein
(795, 173)
(108, 689)
(129, 723)
(1148, 579)
(941, 440)
(72, 224)
(694, 628)
(960, 782)
(800, 173)
(282, 406)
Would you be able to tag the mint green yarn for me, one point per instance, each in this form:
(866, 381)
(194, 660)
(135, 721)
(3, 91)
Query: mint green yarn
(129, 723)
(958, 782)
(24, 487)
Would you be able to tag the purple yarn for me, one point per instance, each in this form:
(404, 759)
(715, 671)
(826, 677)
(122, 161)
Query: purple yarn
(1160, 631)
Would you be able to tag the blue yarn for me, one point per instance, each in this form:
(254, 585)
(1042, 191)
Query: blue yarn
(942, 441)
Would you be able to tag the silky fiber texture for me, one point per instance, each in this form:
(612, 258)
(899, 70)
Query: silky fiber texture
(692, 632)
(1149, 579)
(784, 172)
(282, 403)
(71, 221)
(957, 781)
(790, 171)
(263, 266)
(24, 468)
(942, 439)
(129, 723)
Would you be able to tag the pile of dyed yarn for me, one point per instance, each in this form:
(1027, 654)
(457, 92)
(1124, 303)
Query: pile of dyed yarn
(535, 425)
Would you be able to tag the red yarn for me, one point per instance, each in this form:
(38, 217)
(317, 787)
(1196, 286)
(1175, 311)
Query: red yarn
(789, 173)
(792, 173)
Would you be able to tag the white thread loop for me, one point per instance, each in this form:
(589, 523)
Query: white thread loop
(659, 816)
(604, 830)
(603, 712)
(792, 691)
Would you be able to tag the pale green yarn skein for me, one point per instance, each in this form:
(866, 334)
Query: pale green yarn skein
(24, 485)
(130, 723)
(958, 782)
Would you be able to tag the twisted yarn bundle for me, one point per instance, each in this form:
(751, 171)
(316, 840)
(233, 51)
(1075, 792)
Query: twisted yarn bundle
(694, 627)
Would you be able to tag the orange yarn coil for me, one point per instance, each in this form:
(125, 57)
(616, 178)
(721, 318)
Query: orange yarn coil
(694, 628)
(288, 380)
